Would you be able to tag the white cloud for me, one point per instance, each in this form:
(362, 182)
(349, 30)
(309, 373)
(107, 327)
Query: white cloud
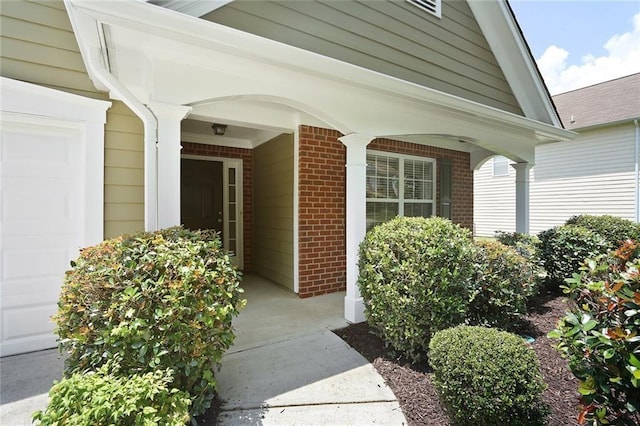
(623, 58)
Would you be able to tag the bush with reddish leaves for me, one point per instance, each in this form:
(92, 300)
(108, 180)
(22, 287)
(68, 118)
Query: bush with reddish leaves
(601, 336)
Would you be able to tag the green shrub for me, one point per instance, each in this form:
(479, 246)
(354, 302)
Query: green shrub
(414, 276)
(601, 336)
(487, 377)
(526, 245)
(154, 301)
(503, 282)
(613, 229)
(564, 248)
(106, 398)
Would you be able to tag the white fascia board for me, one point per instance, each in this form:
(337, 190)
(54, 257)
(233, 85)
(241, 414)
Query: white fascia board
(85, 108)
(203, 34)
(511, 51)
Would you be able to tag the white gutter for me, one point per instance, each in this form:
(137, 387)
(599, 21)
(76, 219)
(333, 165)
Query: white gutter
(635, 122)
(150, 123)
(97, 69)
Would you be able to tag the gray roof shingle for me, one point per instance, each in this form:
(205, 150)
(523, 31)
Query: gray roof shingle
(608, 102)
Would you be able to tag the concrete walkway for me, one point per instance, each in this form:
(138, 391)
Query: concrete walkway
(285, 368)
(24, 384)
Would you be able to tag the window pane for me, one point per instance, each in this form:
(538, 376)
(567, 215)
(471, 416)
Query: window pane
(418, 180)
(427, 191)
(232, 176)
(382, 177)
(418, 209)
(500, 166)
(378, 212)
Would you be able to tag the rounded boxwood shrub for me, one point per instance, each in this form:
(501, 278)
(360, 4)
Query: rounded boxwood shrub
(564, 248)
(414, 276)
(487, 377)
(614, 229)
(504, 280)
(153, 301)
(105, 397)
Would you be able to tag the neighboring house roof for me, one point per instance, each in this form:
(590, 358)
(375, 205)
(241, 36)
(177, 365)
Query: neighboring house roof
(604, 103)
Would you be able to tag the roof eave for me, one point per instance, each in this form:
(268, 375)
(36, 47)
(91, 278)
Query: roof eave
(629, 120)
(503, 34)
(190, 31)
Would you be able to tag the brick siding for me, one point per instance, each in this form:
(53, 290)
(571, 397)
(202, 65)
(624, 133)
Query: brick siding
(322, 194)
(246, 156)
(321, 214)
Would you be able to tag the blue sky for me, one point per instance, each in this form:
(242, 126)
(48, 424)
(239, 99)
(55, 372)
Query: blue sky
(577, 43)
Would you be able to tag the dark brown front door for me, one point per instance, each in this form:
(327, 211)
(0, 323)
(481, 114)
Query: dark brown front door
(201, 194)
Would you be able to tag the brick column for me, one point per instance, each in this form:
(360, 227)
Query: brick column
(321, 198)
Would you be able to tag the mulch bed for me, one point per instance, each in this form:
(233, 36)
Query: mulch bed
(417, 396)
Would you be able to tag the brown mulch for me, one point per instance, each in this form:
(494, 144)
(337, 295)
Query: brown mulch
(417, 396)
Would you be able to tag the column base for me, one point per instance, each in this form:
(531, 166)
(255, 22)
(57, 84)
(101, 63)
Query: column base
(354, 309)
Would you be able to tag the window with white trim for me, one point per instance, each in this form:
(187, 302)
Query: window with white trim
(399, 185)
(432, 6)
(501, 166)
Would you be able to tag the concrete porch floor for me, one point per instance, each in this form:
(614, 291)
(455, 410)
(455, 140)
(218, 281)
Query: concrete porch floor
(274, 314)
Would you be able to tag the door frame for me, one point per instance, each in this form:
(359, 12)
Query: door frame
(227, 164)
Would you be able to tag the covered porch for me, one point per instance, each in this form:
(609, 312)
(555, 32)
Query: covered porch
(167, 67)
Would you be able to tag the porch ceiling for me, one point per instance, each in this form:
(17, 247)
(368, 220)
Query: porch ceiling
(229, 76)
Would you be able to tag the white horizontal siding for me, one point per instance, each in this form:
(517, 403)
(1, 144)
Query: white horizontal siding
(593, 174)
(494, 201)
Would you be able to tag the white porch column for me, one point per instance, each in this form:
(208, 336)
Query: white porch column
(522, 196)
(168, 166)
(356, 212)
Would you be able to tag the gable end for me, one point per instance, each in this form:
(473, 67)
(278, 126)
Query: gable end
(449, 54)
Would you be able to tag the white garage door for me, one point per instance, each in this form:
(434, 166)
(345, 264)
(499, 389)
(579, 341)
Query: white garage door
(43, 208)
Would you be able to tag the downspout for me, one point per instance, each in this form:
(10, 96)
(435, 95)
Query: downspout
(637, 170)
(150, 122)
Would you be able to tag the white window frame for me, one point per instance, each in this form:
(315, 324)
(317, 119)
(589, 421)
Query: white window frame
(500, 161)
(433, 7)
(401, 201)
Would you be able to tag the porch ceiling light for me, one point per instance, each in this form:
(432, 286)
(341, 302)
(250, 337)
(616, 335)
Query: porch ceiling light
(219, 129)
